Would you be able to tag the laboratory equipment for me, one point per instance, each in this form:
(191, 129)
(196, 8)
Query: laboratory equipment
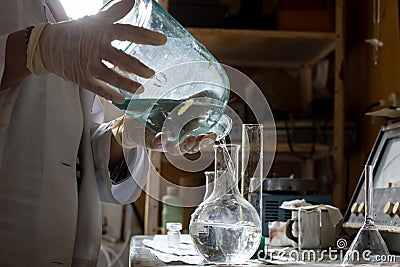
(190, 89)
(375, 42)
(304, 229)
(225, 228)
(385, 157)
(255, 195)
(174, 234)
(368, 239)
(252, 165)
(252, 157)
(277, 190)
(210, 177)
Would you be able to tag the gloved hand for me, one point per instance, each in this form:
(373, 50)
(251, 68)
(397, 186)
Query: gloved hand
(129, 134)
(75, 49)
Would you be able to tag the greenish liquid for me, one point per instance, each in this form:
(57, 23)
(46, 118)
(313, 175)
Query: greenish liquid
(162, 115)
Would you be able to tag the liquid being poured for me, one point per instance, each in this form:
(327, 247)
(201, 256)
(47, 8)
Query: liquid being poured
(227, 158)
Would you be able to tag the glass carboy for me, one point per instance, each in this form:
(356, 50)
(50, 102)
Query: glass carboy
(225, 228)
(190, 89)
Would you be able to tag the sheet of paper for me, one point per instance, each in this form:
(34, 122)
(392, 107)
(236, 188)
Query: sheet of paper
(185, 253)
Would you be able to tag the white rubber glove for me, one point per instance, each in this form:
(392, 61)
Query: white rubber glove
(129, 134)
(75, 49)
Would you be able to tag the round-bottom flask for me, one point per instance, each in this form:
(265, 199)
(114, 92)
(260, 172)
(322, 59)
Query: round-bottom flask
(225, 228)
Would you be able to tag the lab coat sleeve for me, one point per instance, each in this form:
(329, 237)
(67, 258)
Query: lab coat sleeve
(125, 190)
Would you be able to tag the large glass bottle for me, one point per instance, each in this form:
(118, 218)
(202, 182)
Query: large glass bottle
(225, 228)
(190, 90)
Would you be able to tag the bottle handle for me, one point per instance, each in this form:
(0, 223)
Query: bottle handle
(288, 230)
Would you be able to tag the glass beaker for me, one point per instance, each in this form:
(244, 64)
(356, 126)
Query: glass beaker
(190, 89)
(225, 228)
(304, 228)
(368, 246)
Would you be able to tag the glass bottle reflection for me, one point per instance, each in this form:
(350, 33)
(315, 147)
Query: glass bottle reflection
(225, 228)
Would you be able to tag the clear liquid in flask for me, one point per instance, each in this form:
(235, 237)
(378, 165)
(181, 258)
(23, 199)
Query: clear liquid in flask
(225, 228)
(222, 243)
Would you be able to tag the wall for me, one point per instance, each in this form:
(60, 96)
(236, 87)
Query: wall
(366, 83)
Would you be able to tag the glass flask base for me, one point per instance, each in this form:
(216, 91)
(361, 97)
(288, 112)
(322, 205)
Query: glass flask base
(226, 243)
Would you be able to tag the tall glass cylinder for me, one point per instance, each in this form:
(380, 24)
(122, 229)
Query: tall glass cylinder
(225, 228)
(369, 194)
(252, 164)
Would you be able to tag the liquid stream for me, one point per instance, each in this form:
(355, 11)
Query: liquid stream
(228, 159)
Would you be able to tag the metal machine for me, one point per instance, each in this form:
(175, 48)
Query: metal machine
(385, 157)
(278, 190)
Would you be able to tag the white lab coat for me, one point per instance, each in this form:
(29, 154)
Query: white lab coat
(45, 123)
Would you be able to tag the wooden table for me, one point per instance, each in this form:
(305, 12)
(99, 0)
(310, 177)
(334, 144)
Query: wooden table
(140, 256)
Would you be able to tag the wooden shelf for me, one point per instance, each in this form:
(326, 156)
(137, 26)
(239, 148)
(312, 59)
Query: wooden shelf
(259, 48)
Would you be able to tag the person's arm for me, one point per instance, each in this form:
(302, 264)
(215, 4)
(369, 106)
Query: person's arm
(15, 60)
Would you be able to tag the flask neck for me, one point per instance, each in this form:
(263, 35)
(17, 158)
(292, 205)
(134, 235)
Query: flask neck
(226, 183)
(226, 169)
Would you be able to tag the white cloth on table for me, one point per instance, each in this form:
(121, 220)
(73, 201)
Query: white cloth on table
(185, 253)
